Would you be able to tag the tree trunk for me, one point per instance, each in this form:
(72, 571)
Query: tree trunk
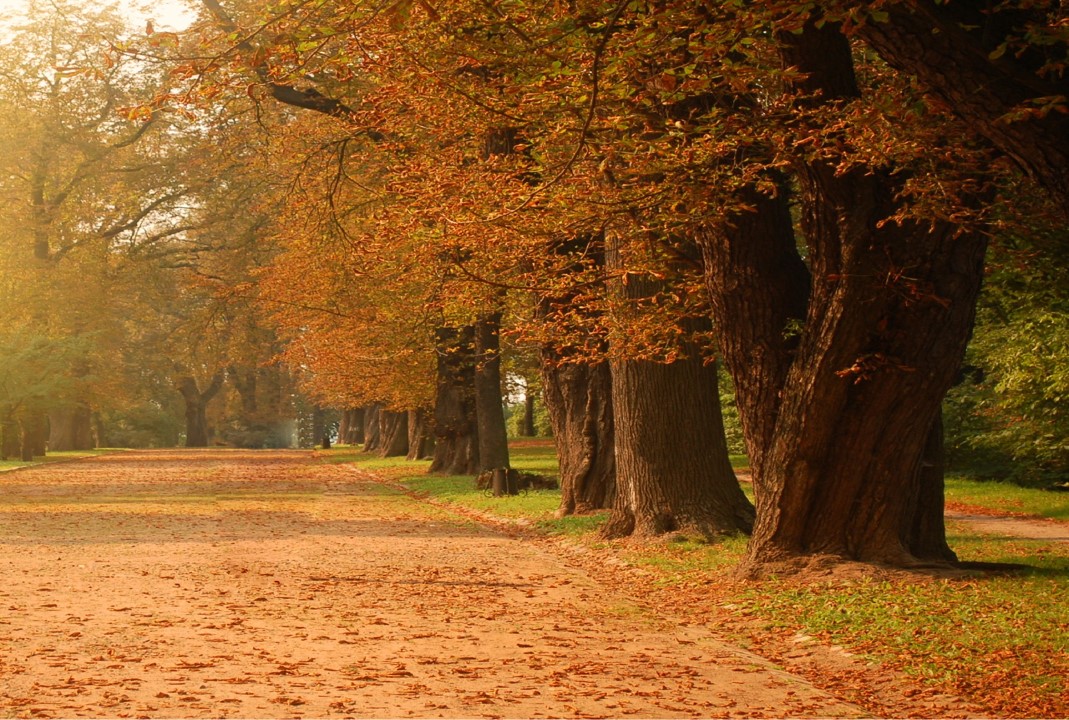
(420, 438)
(343, 426)
(950, 48)
(244, 381)
(34, 433)
(11, 439)
(71, 429)
(927, 535)
(836, 448)
(489, 411)
(100, 435)
(372, 428)
(321, 427)
(456, 440)
(579, 401)
(197, 434)
(672, 466)
(393, 429)
(351, 431)
(527, 427)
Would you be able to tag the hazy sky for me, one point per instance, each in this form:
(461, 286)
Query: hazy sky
(165, 14)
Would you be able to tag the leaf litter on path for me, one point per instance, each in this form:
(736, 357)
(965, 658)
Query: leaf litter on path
(222, 583)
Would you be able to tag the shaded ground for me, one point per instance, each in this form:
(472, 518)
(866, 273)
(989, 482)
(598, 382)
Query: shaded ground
(263, 584)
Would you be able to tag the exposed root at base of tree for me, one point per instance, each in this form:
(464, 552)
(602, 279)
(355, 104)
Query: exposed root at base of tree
(624, 524)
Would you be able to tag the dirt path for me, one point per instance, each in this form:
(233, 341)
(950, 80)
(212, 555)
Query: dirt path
(230, 583)
(1010, 526)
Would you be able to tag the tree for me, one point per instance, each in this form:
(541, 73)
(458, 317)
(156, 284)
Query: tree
(197, 400)
(85, 184)
(1000, 67)
(674, 126)
(883, 310)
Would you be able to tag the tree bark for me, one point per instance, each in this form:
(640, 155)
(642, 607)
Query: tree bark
(351, 431)
(951, 49)
(420, 438)
(11, 440)
(673, 472)
(372, 428)
(196, 401)
(456, 440)
(244, 381)
(33, 428)
(837, 426)
(527, 427)
(579, 401)
(489, 411)
(759, 288)
(672, 466)
(393, 429)
(344, 424)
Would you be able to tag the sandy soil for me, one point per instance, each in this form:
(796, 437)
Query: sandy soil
(266, 584)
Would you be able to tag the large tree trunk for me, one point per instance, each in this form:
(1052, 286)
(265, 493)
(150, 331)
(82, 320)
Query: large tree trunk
(579, 401)
(420, 438)
(489, 411)
(456, 441)
(837, 450)
(927, 535)
(351, 431)
(393, 429)
(372, 428)
(672, 466)
(759, 288)
(527, 427)
(244, 381)
(320, 428)
(196, 401)
(955, 50)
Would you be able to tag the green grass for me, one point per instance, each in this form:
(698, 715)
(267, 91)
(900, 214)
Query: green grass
(1007, 497)
(682, 558)
(1001, 639)
(57, 456)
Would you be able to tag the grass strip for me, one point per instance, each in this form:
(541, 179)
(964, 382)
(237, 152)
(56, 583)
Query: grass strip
(998, 640)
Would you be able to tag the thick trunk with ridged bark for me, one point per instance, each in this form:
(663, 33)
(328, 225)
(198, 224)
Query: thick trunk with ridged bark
(673, 472)
(489, 410)
(955, 51)
(196, 400)
(672, 466)
(854, 369)
(71, 429)
(351, 429)
(578, 399)
(393, 429)
(420, 437)
(456, 438)
(372, 428)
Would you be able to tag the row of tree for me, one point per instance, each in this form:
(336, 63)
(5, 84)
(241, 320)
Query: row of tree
(394, 201)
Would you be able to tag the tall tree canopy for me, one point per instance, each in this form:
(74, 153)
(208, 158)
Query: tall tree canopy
(635, 189)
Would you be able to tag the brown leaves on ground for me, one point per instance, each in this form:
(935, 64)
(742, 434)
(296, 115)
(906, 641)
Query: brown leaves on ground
(265, 584)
